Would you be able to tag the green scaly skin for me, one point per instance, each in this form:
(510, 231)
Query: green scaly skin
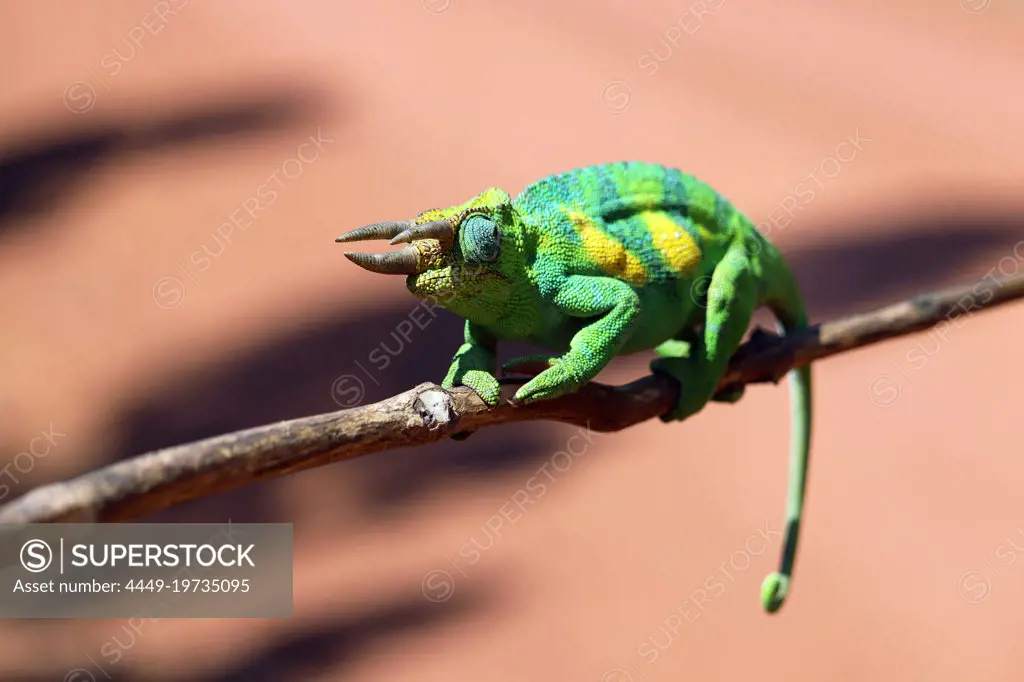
(603, 261)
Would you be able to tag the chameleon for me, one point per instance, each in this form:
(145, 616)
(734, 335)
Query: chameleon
(598, 262)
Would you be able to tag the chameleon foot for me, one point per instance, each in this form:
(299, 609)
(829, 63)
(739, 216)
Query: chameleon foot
(553, 377)
(483, 384)
(695, 390)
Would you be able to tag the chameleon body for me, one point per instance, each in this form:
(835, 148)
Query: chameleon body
(598, 262)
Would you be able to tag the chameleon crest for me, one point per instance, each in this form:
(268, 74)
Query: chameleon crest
(599, 262)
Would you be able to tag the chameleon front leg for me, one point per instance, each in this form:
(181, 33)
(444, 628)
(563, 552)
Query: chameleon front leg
(732, 299)
(474, 365)
(615, 304)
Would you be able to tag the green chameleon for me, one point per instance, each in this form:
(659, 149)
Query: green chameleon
(602, 261)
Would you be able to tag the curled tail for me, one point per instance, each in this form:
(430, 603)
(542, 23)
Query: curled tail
(785, 302)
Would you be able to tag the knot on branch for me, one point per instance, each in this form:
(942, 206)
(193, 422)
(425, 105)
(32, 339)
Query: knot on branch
(436, 408)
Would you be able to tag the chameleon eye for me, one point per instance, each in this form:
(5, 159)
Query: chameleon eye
(479, 239)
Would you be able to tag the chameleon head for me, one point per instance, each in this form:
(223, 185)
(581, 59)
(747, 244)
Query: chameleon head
(454, 257)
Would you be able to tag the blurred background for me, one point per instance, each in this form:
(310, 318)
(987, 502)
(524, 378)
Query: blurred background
(172, 175)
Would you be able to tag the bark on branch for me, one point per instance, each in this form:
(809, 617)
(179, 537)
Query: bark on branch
(427, 413)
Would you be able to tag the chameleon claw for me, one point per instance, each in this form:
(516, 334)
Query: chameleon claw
(532, 395)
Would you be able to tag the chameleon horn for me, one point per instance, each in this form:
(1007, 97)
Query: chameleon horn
(375, 231)
(403, 262)
(436, 229)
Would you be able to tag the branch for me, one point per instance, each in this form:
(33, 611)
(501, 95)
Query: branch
(427, 413)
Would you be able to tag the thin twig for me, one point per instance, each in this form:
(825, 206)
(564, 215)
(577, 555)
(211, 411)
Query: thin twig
(427, 413)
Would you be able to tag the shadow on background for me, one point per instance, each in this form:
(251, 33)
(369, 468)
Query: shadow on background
(46, 168)
(918, 253)
(340, 642)
(324, 646)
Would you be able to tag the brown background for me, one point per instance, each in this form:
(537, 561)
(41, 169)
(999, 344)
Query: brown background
(118, 167)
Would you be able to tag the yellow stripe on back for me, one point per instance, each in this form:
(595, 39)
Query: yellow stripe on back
(608, 253)
(677, 247)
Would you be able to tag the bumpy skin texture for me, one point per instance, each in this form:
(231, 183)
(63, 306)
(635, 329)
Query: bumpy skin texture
(608, 260)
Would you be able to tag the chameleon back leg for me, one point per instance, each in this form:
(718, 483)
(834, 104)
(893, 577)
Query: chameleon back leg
(731, 300)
